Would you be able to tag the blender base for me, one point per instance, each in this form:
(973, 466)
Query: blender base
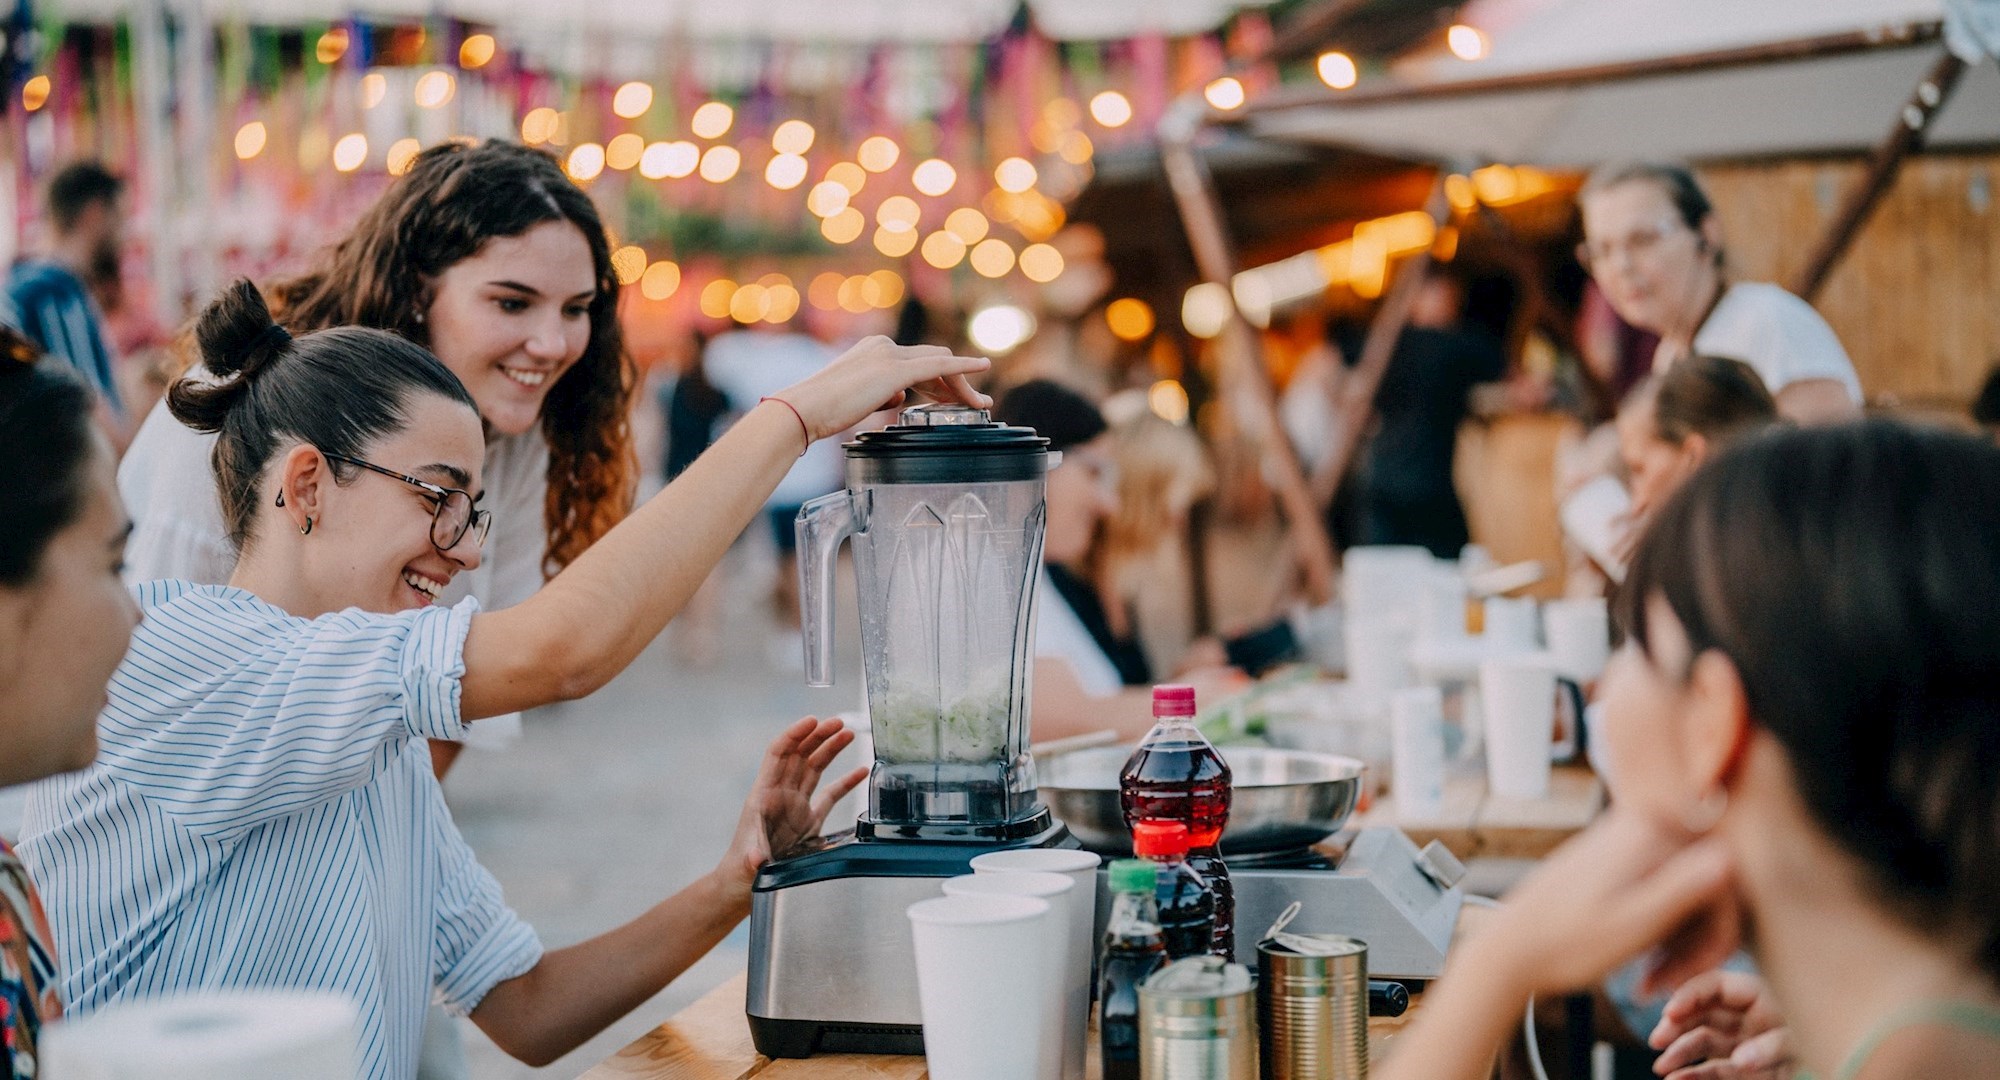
(833, 966)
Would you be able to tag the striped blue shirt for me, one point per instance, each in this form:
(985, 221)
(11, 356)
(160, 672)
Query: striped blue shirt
(263, 814)
(52, 306)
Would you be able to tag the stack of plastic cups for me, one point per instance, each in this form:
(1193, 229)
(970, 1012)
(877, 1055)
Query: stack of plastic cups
(1079, 907)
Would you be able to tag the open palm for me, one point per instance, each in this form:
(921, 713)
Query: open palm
(786, 804)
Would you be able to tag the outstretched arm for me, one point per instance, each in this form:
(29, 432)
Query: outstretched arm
(593, 619)
(576, 992)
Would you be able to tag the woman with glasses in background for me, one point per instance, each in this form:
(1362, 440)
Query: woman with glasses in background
(263, 812)
(1653, 244)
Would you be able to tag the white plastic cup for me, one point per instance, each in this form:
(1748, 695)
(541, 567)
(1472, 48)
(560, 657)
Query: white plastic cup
(1441, 615)
(1382, 581)
(1510, 622)
(1080, 867)
(981, 984)
(1059, 987)
(1378, 657)
(1518, 698)
(1578, 631)
(1416, 718)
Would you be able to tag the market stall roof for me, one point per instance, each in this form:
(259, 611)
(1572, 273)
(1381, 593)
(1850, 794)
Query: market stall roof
(1569, 83)
(849, 21)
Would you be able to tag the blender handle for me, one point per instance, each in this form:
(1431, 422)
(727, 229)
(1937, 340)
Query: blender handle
(822, 524)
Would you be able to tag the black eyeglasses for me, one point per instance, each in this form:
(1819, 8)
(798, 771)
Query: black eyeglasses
(453, 515)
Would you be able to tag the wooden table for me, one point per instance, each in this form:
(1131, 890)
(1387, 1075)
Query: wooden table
(1474, 823)
(710, 1040)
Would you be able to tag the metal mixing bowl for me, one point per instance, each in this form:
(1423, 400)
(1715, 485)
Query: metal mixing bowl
(1282, 799)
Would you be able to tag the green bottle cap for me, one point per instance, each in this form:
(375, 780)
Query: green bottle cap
(1134, 875)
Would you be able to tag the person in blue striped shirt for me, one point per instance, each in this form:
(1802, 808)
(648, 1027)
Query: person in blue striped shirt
(65, 620)
(50, 296)
(263, 813)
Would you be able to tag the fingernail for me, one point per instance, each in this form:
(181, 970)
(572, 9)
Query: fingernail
(1750, 1056)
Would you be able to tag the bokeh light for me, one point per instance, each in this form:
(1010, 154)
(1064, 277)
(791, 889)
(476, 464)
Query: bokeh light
(632, 100)
(878, 153)
(1225, 93)
(477, 51)
(719, 164)
(1111, 108)
(250, 139)
(712, 120)
(350, 152)
(660, 281)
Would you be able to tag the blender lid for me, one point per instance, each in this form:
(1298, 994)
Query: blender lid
(947, 443)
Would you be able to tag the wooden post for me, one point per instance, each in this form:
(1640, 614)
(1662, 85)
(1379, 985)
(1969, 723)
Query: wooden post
(1357, 390)
(1905, 138)
(1241, 355)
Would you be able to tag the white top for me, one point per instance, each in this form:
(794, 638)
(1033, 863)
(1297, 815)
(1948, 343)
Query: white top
(1060, 635)
(262, 814)
(168, 485)
(1779, 335)
(747, 365)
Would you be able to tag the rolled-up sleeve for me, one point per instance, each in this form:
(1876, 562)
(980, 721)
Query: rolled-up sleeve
(480, 941)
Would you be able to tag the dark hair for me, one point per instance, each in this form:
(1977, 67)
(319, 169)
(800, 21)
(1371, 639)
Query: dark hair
(73, 190)
(1711, 396)
(335, 389)
(1852, 576)
(1986, 407)
(1061, 415)
(46, 441)
(1685, 192)
(454, 199)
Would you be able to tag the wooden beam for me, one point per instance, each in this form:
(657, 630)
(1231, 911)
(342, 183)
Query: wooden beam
(1905, 137)
(1244, 374)
(1382, 93)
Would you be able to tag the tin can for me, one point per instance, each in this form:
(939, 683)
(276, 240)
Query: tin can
(1198, 1021)
(1312, 1007)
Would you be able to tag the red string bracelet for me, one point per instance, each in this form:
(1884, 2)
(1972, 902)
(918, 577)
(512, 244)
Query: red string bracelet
(803, 429)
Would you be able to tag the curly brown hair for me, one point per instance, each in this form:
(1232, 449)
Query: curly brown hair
(454, 199)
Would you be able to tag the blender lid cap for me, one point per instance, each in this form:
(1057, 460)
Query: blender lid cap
(1160, 838)
(946, 443)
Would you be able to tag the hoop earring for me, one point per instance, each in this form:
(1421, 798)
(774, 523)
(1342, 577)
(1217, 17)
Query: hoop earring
(306, 530)
(1705, 813)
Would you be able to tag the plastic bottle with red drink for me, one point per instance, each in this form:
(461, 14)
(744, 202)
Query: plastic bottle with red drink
(1176, 774)
(1185, 902)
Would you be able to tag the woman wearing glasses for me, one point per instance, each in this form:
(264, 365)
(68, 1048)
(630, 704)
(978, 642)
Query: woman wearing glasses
(492, 259)
(1653, 244)
(263, 813)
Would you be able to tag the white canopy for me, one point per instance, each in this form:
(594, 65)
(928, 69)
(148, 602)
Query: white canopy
(1844, 101)
(838, 21)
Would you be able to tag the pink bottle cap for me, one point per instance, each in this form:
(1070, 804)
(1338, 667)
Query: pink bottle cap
(1173, 700)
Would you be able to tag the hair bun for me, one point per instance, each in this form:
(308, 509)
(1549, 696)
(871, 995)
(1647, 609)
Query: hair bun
(237, 338)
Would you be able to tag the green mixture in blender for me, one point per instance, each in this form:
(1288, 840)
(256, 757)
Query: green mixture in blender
(909, 728)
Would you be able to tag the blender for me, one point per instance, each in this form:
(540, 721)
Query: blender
(943, 513)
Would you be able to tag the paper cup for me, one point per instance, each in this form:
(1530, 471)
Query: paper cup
(1416, 718)
(1081, 910)
(1061, 982)
(1579, 635)
(1378, 658)
(1510, 622)
(1518, 699)
(982, 984)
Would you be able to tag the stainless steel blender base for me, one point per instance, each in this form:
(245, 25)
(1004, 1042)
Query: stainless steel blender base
(833, 967)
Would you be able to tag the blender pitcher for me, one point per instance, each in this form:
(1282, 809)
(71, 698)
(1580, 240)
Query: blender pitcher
(945, 514)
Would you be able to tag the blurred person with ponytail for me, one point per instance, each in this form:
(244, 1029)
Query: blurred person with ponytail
(493, 260)
(65, 621)
(263, 811)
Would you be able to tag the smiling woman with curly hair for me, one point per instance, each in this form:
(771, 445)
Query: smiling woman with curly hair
(489, 256)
